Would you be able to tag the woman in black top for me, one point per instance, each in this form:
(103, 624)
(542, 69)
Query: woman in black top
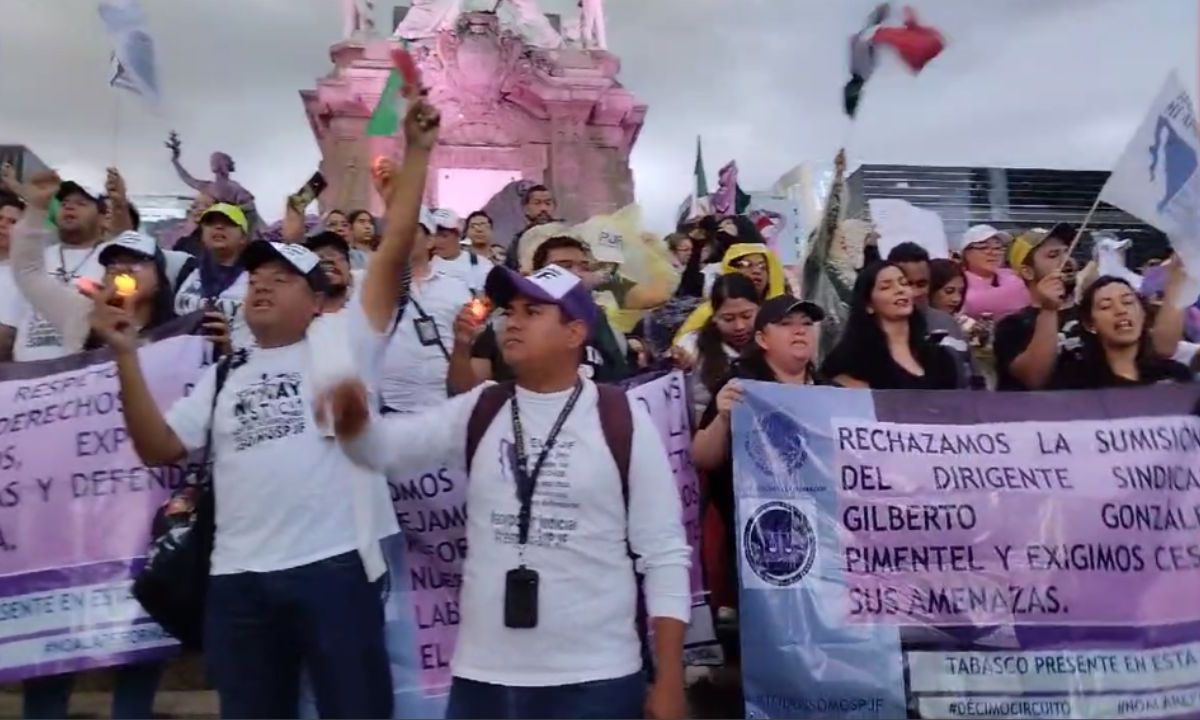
(885, 345)
(1116, 344)
(783, 350)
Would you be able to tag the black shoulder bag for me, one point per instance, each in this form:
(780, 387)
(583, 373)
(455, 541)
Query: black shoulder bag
(173, 584)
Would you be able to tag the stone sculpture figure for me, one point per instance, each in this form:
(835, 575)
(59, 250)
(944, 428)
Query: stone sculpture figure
(222, 188)
(426, 18)
(592, 32)
(358, 18)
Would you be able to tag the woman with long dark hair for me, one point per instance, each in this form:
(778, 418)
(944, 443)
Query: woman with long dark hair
(947, 286)
(1117, 350)
(885, 345)
(712, 349)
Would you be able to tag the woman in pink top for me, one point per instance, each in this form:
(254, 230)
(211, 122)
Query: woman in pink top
(993, 291)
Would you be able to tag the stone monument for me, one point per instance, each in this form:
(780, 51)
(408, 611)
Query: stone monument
(511, 109)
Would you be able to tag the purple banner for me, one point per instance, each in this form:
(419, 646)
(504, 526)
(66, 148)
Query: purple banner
(75, 511)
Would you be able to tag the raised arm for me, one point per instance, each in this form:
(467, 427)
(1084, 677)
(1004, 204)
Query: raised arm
(1034, 366)
(1168, 324)
(155, 442)
(120, 217)
(385, 282)
(59, 303)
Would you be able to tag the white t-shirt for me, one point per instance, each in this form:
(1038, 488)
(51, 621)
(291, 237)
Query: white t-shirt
(37, 339)
(473, 275)
(587, 596)
(190, 297)
(10, 297)
(413, 373)
(285, 488)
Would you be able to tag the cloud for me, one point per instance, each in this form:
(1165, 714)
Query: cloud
(1022, 83)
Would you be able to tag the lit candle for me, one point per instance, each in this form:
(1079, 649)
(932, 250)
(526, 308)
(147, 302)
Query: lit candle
(125, 284)
(478, 309)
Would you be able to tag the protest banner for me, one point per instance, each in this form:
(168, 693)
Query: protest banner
(425, 559)
(961, 554)
(75, 510)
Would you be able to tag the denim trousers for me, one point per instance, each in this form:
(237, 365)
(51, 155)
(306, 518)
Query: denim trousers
(262, 629)
(134, 687)
(622, 697)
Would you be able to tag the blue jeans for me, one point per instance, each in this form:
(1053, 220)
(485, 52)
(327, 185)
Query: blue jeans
(262, 628)
(134, 687)
(620, 698)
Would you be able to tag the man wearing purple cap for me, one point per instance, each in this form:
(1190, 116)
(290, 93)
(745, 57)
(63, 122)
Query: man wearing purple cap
(548, 606)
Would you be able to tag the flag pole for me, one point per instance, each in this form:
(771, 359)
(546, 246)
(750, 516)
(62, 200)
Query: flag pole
(1087, 220)
(116, 130)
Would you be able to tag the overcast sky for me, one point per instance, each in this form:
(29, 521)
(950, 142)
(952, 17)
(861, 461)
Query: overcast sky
(1032, 83)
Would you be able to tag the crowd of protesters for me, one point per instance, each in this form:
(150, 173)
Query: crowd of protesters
(448, 332)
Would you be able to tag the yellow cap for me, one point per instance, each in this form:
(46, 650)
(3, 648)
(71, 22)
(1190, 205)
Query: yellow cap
(1024, 244)
(233, 212)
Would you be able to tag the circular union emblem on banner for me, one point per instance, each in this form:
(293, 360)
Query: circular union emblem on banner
(779, 445)
(779, 543)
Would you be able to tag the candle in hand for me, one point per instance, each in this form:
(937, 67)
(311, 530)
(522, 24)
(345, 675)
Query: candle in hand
(478, 309)
(125, 284)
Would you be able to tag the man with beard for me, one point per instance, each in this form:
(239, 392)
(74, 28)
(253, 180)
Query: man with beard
(11, 209)
(1029, 343)
(539, 209)
(80, 233)
(334, 253)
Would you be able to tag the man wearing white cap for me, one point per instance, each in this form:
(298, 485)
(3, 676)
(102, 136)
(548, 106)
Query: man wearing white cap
(993, 291)
(417, 358)
(296, 558)
(80, 233)
(450, 255)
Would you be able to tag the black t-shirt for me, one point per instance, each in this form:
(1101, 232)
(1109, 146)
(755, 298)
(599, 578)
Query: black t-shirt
(603, 355)
(1014, 332)
(1089, 373)
(881, 372)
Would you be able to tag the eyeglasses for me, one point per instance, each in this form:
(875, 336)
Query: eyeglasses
(991, 247)
(759, 265)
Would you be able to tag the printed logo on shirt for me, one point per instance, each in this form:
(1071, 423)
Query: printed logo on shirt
(555, 510)
(40, 333)
(270, 409)
(780, 445)
(779, 544)
(189, 300)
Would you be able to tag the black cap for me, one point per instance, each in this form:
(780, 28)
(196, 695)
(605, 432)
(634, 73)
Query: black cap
(298, 258)
(328, 239)
(777, 309)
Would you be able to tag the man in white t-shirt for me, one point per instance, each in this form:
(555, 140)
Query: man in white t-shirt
(75, 256)
(415, 364)
(548, 605)
(451, 257)
(11, 209)
(296, 559)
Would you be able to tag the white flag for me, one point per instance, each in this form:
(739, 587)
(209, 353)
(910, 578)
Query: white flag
(133, 61)
(1157, 178)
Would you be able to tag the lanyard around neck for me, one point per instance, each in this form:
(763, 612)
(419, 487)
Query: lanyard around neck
(526, 479)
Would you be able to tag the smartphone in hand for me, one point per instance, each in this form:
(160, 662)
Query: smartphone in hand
(311, 190)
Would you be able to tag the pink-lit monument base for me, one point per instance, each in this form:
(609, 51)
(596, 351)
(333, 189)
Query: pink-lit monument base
(510, 111)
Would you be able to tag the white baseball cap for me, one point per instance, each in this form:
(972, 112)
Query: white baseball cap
(304, 261)
(981, 233)
(129, 242)
(446, 218)
(427, 221)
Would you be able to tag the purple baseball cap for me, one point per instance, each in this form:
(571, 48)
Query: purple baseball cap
(551, 285)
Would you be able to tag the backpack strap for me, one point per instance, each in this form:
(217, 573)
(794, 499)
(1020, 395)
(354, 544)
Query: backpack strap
(616, 419)
(487, 407)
